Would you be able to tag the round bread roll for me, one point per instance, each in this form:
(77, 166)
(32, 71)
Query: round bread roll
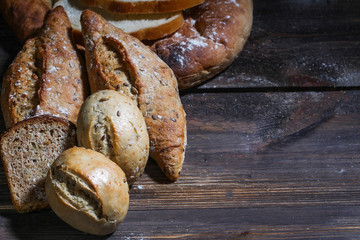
(111, 123)
(88, 191)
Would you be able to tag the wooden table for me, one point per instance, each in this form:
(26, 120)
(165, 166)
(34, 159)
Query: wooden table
(273, 142)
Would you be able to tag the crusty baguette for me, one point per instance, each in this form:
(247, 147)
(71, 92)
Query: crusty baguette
(47, 76)
(25, 17)
(116, 60)
(142, 26)
(213, 35)
(27, 151)
(143, 6)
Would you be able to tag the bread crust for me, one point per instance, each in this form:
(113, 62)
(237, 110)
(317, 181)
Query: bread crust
(88, 191)
(111, 123)
(213, 35)
(47, 76)
(25, 18)
(144, 77)
(166, 23)
(137, 7)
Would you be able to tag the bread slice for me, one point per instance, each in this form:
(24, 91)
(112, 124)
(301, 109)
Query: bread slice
(48, 76)
(143, 26)
(143, 6)
(27, 151)
(116, 60)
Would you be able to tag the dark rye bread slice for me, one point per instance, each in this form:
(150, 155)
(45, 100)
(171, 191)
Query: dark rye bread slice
(27, 150)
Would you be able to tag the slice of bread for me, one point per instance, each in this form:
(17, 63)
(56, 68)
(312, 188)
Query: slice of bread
(142, 26)
(143, 6)
(27, 151)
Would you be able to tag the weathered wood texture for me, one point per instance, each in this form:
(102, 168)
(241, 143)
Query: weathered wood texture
(258, 165)
(262, 162)
(298, 44)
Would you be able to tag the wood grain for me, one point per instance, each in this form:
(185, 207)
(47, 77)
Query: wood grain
(238, 178)
(273, 142)
(298, 44)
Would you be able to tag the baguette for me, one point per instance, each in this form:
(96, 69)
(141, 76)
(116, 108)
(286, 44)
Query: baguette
(212, 36)
(118, 61)
(47, 76)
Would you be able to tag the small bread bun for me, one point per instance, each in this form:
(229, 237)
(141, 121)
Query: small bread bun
(88, 191)
(111, 123)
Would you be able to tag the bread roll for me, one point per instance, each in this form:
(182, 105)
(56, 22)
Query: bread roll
(88, 191)
(110, 122)
(116, 60)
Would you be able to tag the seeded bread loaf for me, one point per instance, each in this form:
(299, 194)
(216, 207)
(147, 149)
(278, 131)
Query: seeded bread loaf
(211, 37)
(88, 191)
(111, 123)
(27, 151)
(47, 76)
(118, 61)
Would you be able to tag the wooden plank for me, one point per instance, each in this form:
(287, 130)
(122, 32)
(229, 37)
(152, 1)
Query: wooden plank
(332, 222)
(298, 44)
(292, 44)
(259, 165)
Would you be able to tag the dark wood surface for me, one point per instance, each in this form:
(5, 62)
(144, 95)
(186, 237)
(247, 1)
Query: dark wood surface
(273, 142)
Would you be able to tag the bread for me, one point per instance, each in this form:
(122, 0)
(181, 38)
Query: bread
(143, 26)
(88, 191)
(118, 61)
(27, 151)
(25, 17)
(111, 123)
(213, 35)
(143, 6)
(47, 76)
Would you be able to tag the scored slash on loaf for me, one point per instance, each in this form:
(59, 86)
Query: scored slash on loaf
(47, 76)
(118, 61)
(198, 42)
